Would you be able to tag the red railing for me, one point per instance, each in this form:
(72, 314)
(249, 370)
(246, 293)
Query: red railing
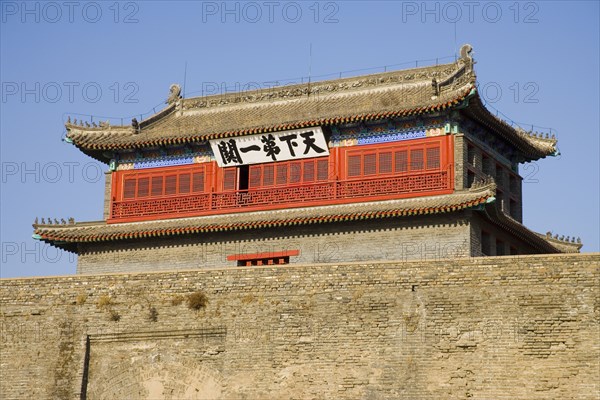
(332, 192)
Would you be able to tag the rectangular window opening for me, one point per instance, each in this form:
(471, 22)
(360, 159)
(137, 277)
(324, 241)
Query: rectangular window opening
(486, 243)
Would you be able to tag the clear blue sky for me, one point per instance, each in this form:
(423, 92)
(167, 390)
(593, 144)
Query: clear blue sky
(537, 62)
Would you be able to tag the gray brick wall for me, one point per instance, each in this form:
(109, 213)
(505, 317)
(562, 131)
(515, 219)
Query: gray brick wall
(486, 328)
(460, 162)
(379, 239)
(107, 192)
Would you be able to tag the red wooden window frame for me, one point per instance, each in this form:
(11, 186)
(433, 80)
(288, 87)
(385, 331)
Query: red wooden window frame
(268, 258)
(357, 173)
(176, 181)
(288, 173)
(378, 160)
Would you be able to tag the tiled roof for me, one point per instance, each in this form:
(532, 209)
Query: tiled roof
(567, 245)
(402, 93)
(65, 236)
(538, 241)
(363, 98)
(533, 146)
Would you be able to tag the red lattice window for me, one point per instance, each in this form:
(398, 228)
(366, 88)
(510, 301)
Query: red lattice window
(268, 175)
(295, 171)
(374, 160)
(309, 172)
(401, 158)
(370, 164)
(433, 158)
(157, 186)
(354, 166)
(143, 187)
(229, 178)
(416, 159)
(198, 182)
(129, 189)
(285, 173)
(282, 174)
(170, 184)
(159, 182)
(184, 183)
(385, 162)
(322, 170)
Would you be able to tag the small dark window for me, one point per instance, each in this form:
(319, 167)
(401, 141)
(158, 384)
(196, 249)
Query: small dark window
(500, 250)
(264, 261)
(487, 165)
(486, 244)
(499, 175)
(471, 155)
(514, 212)
(470, 178)
(513, 184)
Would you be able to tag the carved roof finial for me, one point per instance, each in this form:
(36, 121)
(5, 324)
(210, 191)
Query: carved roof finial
(71, 220)
(174, 93)
(465, 52)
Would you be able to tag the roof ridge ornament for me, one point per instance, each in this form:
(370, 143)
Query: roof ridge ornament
(465, 53)
(174, 93)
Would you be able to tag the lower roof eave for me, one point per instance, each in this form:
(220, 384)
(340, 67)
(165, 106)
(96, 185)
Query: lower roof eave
(499, 218)
(68, 236)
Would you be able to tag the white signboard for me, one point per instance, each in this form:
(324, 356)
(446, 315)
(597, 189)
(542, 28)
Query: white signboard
(270, 147)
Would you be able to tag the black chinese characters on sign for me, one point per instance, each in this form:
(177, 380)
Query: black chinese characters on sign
(270, 147)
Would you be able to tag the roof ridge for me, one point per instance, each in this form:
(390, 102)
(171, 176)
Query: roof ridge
(429, 73)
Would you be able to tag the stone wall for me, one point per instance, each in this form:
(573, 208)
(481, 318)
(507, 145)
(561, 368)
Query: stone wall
(107, 195)
(406, 238)
(482, 328)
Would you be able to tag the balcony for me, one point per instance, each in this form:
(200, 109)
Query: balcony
(323, 193)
